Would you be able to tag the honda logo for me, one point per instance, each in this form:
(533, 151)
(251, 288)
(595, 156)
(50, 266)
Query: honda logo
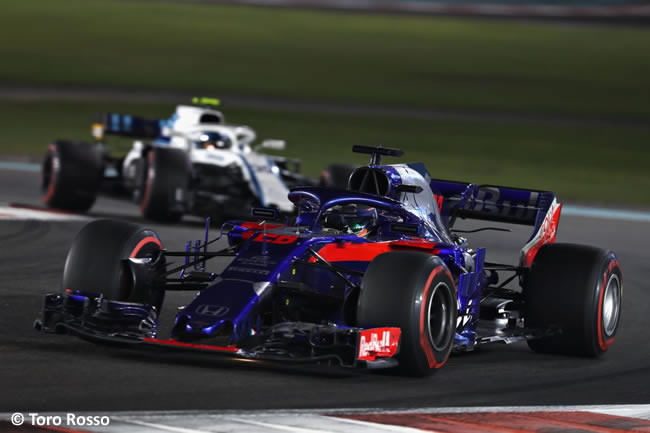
(212, 310)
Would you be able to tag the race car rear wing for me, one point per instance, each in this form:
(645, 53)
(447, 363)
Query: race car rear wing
(539, 209)
(125, 125)
(490, 202)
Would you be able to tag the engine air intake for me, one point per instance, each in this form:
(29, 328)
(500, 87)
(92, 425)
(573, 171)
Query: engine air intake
(369, 180)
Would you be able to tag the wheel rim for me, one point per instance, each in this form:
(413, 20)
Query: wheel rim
(439, 317)
(611, 305)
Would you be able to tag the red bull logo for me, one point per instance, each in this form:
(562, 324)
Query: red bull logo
(378, 342)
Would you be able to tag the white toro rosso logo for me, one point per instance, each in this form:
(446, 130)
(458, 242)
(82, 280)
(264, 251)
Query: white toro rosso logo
(378, 342)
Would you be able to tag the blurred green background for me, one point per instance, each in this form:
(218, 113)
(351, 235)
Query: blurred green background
(583, 91)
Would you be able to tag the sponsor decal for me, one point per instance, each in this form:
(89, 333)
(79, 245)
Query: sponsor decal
(248, 270)
(488, 199)
(274, 238)
(378, 342)
(263, 261)
(256, 227)
(212, 310)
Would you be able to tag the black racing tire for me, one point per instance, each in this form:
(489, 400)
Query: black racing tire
(71, 175)
(577, 291)
(392, 293)
(166, 181)
(95, 261)
(337, 175)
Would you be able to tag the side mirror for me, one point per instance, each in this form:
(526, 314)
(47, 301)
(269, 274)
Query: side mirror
(273, 144)
(265, 212)
(406, 229)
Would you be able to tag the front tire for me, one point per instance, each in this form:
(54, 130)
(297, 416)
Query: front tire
(415, 292)
(95, 262)
(577, 291)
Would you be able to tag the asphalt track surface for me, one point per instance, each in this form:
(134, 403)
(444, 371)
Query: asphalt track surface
(60, 373)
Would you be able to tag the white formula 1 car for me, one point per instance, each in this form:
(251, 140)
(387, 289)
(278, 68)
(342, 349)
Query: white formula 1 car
(191, 163)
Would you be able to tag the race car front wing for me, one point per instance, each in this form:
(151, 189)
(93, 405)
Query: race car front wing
(99, 320)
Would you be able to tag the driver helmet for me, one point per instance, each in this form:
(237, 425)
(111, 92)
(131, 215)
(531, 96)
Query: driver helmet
(210, 139)
(352, 218)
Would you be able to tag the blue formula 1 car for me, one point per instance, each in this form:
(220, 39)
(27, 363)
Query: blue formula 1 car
(371, 276)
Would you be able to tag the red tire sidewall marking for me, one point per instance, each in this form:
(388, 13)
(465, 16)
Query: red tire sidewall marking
(142, 243)
(424, 335)
(147, 188)
(51, 186)
(602, 343)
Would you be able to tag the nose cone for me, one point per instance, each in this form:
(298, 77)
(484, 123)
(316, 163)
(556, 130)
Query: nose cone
(223, 309)
(199, 328)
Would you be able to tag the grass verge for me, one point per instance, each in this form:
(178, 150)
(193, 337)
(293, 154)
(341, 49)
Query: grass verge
(314, 55)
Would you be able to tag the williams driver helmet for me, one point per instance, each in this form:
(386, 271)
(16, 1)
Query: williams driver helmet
(208, 139)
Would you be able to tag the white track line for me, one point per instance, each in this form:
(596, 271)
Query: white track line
(20, 166)
(604, 213)
(275, 426)
(377, 426)
(24, 214)
(162, 427)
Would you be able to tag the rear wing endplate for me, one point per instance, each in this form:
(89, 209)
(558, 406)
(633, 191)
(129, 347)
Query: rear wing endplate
(536, 208)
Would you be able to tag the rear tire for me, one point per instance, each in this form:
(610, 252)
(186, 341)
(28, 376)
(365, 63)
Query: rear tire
(576, 290)
(95, 261)
(392, 294)
(71, 175)
(166, 180)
